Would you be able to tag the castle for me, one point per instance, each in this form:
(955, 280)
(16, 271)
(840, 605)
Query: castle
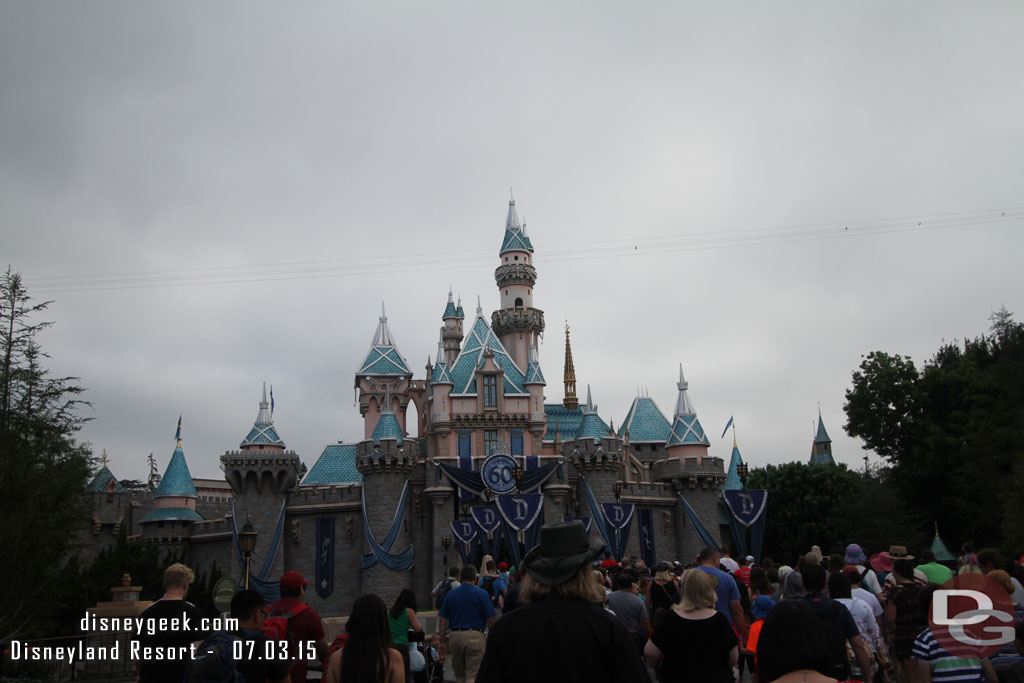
(393, 509)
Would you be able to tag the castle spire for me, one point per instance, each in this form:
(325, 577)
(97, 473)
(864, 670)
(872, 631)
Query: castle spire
(569, 376)
(383, 357)
(263, 436)
(686, 428)
(683, 404)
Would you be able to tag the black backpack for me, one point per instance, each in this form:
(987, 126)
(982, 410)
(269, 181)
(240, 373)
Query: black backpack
(445, 588)
(836, 642)
(488, 585)
(215, 661)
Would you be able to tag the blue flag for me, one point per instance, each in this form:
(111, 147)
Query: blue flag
(177, 434)
(727, 425)
(271, 399)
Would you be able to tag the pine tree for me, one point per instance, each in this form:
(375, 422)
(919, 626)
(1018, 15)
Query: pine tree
(43, 469)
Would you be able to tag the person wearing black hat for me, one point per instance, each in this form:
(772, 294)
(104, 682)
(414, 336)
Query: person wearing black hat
(560, 634)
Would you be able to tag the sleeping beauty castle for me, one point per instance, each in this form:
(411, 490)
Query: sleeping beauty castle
(483, 460)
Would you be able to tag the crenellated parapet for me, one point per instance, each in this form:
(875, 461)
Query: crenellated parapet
(692, 473)
(516, 273)
(593, 454)
(387, 456)
(517, 321)
(256, 472)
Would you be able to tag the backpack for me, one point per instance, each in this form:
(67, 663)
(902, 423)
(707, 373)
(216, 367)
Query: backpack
(214, 661)
(337, 644)
(445, 588)
(836, 642)
(276, 625)
(488, 585)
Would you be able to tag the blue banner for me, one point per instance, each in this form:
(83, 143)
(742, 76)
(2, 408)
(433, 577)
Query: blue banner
(488, 521)
(465, 461)
(619, 517)
(645, 520)
(746, 505)
(464, 530)
(598, 519)
(520, 511)
(324, 556)
(695, 521)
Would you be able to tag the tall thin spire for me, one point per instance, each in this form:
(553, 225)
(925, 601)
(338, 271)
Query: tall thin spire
(569, 376)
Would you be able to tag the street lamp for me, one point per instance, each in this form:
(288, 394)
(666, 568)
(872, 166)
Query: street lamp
(742, 471)
(617, 490)
(247, 543)
(446, 542)
(517, 474)
(488, 493)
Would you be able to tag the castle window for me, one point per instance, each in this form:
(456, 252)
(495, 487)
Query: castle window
(517, 257)
(490, 441)
(490, 391)
(519, 302)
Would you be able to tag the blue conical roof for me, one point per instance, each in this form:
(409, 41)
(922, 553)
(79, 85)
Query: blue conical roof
(177, 480)
(450, 311)
(515, 236)
(388, 428)
(822, 435)
(102, 479)
(533, 372)
(263, 432)
(383, 357)
(732, 479)
(940, 550)
(686, 428)
(592, 427)
(480, 338)
(645, 422)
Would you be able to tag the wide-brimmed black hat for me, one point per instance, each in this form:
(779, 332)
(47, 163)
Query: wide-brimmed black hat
(564, 548)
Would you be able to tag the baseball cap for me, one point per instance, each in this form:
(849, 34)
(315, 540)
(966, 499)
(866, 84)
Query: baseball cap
(293, 579)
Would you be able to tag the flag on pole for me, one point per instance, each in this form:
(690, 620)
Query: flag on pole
(727, 425)
(177, 434)
(271, 399)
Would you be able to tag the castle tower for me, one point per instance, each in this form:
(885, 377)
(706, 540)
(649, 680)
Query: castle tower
(517, 323)
(386, 460)
(261, 473)
(732, 477)
(174, 501)
(821, 449)
(687, 439)
(451, 331)
(383, 371)
(534, 384)
(569, 376)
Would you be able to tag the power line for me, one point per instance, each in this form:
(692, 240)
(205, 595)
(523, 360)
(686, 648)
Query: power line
(553, 253)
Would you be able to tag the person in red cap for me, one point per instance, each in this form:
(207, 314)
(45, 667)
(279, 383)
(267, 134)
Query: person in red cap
(304, 624)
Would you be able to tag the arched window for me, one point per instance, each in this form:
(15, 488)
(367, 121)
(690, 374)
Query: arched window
(519, 302)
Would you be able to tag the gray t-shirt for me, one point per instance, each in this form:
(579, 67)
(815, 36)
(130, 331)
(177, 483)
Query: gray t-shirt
(630, 610)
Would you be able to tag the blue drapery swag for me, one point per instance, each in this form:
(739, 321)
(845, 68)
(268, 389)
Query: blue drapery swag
(645, 521)
(695, 520)
(602, 528)
(619, 517)
(324, 556)
(398, 562)
(269, 589)
(469, 480)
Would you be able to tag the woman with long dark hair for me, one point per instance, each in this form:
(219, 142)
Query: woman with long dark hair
(792, 647)
(368, 655)
(401, 618)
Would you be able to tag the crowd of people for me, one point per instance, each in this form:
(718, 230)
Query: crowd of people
(573, 613)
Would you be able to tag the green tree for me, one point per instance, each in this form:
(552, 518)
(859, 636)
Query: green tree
(830, 506)
(953, 432)
(43, 469)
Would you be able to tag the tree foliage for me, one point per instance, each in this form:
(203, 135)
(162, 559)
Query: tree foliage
(43, 469)
(953, 432)
(830, 506)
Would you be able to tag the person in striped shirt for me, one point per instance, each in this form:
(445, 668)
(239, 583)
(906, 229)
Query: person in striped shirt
(936, 665)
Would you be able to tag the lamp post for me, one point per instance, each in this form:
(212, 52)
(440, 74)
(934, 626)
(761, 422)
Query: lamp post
(517, 474)
(446, 542)
(617, 490)
(247, 543)
(742, 471)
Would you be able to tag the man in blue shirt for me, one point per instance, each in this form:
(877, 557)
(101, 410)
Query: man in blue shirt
(727, 594)
(465, 614)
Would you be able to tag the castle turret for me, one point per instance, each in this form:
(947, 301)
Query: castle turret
(175, 499)
(517, 323)
(263, 436)
(687, 438)
(732, 477)
(384, 370)
(534, 384)
(451, 331)
(821, 449)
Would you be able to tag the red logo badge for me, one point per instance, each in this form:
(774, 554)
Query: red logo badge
(971, 616)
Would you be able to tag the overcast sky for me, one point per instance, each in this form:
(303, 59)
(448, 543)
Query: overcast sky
(221, 194)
